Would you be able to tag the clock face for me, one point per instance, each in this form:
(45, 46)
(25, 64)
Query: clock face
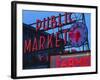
(78, 34)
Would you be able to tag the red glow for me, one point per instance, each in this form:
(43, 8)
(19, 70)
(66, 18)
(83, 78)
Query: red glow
(72, 61)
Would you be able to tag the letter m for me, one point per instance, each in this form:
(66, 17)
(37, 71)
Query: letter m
(27, 45)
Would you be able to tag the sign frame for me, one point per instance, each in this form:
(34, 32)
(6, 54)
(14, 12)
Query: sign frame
(14, 57)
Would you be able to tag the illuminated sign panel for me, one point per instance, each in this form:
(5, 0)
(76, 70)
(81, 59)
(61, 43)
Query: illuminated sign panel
(75, 60)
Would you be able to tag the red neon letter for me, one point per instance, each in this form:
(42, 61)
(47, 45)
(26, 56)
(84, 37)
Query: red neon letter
(35, 45)
(69, 17)
(57, 40)
(45, 27)
(65, 17)
(50, 44)
(53, 22)
(59, 20)
(27, 45)
(38, 24)
(65, 36)
(42, 42)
